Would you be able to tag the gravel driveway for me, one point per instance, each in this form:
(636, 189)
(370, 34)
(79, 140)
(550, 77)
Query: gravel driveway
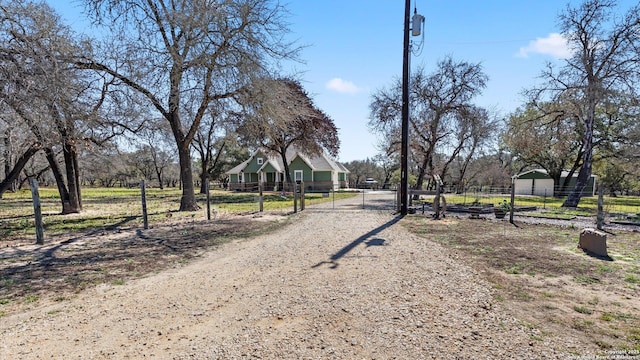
(335, 284)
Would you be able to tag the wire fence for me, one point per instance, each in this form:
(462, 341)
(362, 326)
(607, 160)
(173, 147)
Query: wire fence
(616, 208)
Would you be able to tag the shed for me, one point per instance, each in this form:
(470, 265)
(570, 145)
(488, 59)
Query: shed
(538, 182)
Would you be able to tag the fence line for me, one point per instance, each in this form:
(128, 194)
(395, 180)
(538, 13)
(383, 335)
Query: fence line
(617, 208)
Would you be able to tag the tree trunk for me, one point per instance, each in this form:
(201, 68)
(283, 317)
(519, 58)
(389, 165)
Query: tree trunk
(206, 169)
(159, 177)
(205, 157)
(587, 160)
(204, 179)
(581, 182)
(421, 173)
(73, 178)
(57, 174)
(12, 175)
(188, 200)
(287, 173)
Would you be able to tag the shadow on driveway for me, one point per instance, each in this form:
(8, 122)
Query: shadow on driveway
(367, 239)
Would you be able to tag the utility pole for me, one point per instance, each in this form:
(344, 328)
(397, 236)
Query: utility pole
(404, 151)
(415, 28)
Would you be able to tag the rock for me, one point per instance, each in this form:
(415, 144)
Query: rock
(593, 241)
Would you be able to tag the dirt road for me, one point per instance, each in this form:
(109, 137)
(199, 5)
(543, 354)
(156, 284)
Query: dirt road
(335, 284)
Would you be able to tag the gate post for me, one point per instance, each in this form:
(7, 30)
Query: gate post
(301, 195)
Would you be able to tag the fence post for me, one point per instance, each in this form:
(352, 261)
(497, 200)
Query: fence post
(600, 219)
(301, 195)
(513, 199)
(208, 200)
(37, 210)
(295, 197)
(260, 188)
(145, 219)
(436, 203)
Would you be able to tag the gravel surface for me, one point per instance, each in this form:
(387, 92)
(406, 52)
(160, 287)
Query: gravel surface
(336, 284)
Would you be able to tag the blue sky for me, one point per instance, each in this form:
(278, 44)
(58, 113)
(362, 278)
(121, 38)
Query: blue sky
(354, 48)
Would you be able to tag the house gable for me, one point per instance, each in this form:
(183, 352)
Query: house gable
(257, 161)
(299, 164)
(269, 168)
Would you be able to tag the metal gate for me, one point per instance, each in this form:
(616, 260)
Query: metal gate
(364, 199)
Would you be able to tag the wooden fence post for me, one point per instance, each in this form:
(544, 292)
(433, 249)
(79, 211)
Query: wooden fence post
(302, 196)
(261, 189)
(295, 197)
(208, 199)
(600, 219)
(513, 199)
(37, 210)
(145, 219)
(436, 203)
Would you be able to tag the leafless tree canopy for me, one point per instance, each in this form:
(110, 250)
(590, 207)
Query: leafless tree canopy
(51, 105)
(279, 114)
(184, 55)
(443, 120)
(604, 65)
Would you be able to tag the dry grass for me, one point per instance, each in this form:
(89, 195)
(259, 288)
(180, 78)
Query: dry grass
(106, 243)
(541, 276)
(67, 265)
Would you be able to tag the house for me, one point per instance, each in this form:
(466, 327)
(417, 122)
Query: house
(538, 182)
(319, 173)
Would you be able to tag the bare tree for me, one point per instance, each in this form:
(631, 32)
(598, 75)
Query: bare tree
(440, 105)
(181, 56)
(18, 146)
(388, 161)
(604, 61)
(548, 137)
(212, 138)
(281, 115)
(475, 130)
(39, 88)
(154, 143)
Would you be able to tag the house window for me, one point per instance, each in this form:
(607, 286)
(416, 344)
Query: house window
(298, 175)
(260, 161)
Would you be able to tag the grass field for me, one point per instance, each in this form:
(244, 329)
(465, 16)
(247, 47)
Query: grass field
(108, 208)
(538, 272)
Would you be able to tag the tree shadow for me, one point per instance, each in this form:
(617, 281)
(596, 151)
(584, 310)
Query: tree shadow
(367, 239)
(105, 256)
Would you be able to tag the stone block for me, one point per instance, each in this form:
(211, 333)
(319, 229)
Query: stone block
(593, 241)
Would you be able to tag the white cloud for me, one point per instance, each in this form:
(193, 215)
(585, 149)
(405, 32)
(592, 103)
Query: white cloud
(342, 86)
(554, 44)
